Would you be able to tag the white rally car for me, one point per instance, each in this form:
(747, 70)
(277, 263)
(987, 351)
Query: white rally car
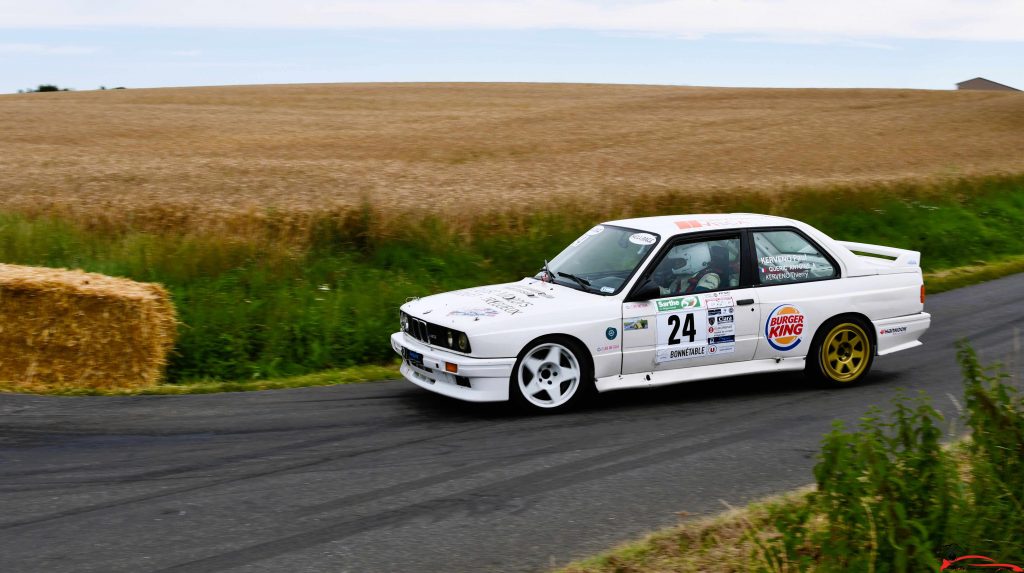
(661, 300)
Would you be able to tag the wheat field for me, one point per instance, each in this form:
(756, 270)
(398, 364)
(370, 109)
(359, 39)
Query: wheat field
(226, 157)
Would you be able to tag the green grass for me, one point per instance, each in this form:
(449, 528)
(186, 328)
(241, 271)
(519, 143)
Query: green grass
(261, 309)
(351, 375)
(949, 279)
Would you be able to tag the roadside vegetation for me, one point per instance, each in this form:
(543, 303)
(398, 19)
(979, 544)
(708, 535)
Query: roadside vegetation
(259, 309)
(352, 375)
(889, 497)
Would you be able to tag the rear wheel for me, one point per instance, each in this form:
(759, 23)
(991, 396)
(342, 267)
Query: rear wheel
(842, 352)
(552, 374)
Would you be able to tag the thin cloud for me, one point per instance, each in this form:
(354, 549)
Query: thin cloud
(183, 53)
(975, 20)
(47, 50)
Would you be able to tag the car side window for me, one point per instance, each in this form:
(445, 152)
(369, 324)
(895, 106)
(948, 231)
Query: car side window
(699, 266)
(785, 257)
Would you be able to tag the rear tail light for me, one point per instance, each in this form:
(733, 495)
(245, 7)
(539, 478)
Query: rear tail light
(922, 294)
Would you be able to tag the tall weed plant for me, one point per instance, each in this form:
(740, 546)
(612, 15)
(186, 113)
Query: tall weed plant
(891, 498)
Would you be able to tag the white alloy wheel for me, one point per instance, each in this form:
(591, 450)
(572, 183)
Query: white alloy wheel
(548, 375)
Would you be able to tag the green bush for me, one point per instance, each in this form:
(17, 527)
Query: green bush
(889, 497)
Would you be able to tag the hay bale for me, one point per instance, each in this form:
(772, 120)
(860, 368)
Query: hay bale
(72, 329)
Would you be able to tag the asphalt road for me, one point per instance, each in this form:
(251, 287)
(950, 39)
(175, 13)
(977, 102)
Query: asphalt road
(388, 477)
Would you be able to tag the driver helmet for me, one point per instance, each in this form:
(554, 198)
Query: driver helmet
(696, 257)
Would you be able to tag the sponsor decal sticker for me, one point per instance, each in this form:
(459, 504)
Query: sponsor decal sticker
(642, 239)
(608, 348)
(699, 223)
(530, 292)
(715, 349)
(691, 224)
(637, 306)
(719, 300)
(784, 327)
(611, 333)
(677, 303)
(607, 289)
(721, 325)
(640, 324)
(595, 231)
(682, 353)
(508, 299)
(474, 312)
(892, 330)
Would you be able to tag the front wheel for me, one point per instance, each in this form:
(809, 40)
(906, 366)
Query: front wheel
(551, 375)
(842, 352)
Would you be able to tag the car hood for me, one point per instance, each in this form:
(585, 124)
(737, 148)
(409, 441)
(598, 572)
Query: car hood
(492, 307)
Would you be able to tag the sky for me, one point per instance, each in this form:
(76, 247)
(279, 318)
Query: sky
(930, 44)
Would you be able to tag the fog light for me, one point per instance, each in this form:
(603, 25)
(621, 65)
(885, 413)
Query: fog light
(453, 368)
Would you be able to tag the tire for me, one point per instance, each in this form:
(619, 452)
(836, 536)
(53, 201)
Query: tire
(842, 352)
(552, 374)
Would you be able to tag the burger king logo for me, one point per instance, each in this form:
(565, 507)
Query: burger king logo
(784, 326)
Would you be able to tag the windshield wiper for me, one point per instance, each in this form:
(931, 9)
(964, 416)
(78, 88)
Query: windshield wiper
(584, 283)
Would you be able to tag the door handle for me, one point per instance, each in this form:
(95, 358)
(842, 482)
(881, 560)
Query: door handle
(744, 301)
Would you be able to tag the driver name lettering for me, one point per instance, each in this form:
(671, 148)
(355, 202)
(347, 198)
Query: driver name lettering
(783, 259)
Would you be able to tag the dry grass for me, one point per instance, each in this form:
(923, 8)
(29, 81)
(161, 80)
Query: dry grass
(71, 329)
(248, 156)
(723, 543)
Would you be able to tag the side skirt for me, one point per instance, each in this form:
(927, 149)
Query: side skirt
(695, 373)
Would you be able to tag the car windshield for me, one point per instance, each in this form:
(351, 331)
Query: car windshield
(602, 259)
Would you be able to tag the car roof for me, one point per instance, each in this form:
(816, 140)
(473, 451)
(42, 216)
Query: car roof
(670, 225)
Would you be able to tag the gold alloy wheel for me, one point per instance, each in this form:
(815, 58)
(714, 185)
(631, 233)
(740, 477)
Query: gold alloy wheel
(845, 352)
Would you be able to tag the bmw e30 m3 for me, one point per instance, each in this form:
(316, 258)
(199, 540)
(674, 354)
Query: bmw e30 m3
(662, 300)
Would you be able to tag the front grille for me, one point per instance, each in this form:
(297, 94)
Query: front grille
(420, 330)
(433, 334)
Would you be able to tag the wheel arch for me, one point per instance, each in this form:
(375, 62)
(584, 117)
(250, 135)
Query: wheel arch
(581, 348)
(870, 328)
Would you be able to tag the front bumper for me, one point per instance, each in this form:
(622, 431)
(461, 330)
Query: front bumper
(900, 333)
(487, 378)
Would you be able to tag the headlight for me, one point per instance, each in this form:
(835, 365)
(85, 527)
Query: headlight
(463, 342)
(405, 322)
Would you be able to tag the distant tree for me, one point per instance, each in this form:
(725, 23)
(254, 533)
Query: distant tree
(103, 88)
(47, 88)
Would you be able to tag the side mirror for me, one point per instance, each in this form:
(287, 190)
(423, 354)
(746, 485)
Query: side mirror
(646, 291)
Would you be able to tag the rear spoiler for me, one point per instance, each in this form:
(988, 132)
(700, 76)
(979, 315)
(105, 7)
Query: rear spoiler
(891, 255)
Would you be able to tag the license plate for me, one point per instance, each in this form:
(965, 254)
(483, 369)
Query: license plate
(416, 359)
